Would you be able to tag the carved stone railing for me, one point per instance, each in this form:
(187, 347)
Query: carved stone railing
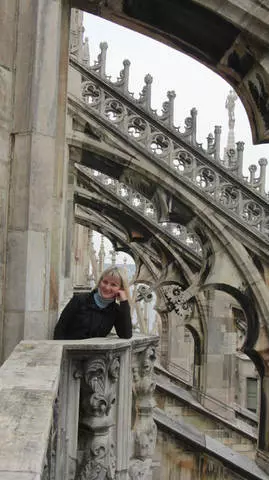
(66, 410)
(233, 157)
(142, 205)
(225, 185)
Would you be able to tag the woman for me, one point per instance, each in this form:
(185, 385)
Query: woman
(94, 314)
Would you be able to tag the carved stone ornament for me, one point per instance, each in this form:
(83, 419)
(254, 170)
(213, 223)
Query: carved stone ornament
(143, 382)
(140, 469)
(145, 430)
(97, 398)
(144, 293)
(175, 300)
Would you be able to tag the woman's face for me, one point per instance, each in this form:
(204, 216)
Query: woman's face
(109, 287)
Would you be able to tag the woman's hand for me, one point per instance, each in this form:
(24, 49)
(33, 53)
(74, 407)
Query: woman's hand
(122, 295)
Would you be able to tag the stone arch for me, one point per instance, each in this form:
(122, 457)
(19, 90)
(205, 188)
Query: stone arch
(232, 40)
(242, 61)
(207, 222)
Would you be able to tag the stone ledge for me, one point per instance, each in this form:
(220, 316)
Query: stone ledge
(29, 382)
(25, 422)
(4, 475)
(237, 463)
(32, 365)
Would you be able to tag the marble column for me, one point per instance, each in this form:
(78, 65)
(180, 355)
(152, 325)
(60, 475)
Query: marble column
(7, 71)
(37, 179)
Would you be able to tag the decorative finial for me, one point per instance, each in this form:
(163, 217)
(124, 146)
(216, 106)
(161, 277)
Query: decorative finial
(168, 109)
(113, 257)
(123, 79)
(263, 164)
(252, 170)
(148, 79)
(210, 140)
(100, 64)
(145, 95)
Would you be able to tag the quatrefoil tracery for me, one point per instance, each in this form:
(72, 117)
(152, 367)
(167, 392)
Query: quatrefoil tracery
(189, 165)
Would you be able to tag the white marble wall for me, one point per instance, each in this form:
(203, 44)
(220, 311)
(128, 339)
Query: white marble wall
(32, 191)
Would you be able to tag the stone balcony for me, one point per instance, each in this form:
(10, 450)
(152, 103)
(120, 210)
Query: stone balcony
(78, 409)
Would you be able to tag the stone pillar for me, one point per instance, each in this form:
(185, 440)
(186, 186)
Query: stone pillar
(81, 267)
(164, 360)
(101, 256)
(86, 257)
(7, 51)
(77, 254)
(92, 257)
(68, 247)
(262, 348)
(37, 179)
(144, 431)
(262, 456)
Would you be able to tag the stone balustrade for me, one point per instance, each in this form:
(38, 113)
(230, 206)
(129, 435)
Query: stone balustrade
(221, 182)
(66, 410)
(127, 195)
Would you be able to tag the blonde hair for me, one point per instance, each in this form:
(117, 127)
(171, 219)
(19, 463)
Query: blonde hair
(119, 274)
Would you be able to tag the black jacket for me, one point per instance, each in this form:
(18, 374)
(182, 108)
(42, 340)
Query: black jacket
(82, 318)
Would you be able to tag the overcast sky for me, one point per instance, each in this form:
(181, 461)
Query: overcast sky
(195, 85)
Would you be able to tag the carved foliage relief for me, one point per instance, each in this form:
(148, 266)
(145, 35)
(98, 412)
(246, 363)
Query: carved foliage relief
(98, 396)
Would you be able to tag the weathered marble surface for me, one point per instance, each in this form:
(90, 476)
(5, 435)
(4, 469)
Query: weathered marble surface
(176, 401)
(28, 386)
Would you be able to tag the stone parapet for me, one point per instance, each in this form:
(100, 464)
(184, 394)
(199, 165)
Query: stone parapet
(66, 408)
